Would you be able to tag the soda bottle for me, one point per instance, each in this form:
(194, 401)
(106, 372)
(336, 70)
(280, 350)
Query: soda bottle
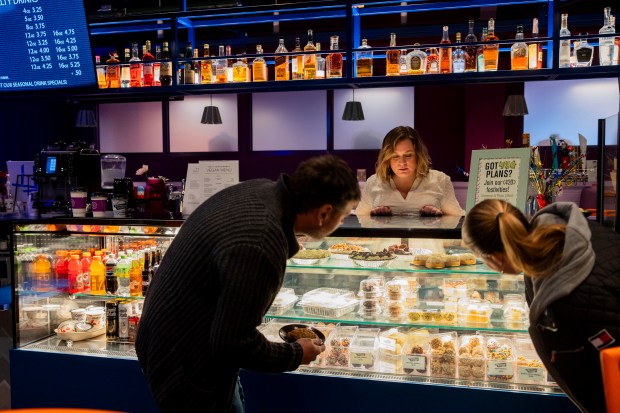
(111, 282)
(42, 274)
(86, 261)
(135, 277)
(61, 268)
(97, 276)
(76, 282)
(123, 267)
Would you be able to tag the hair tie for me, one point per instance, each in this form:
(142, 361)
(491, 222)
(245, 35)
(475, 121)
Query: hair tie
(497, 217)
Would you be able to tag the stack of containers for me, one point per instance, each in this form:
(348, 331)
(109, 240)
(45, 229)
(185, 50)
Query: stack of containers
(396, 291)
(453, 289)
(391, 344)
(371, 291)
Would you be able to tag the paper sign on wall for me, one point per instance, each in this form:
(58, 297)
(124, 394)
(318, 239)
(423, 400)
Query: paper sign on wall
(499, 174)
(206, 178)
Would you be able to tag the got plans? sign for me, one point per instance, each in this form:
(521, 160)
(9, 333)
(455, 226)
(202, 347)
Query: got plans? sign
(499, 174)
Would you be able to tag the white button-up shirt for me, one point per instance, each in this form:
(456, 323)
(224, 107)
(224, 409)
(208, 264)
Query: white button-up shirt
(434, 189)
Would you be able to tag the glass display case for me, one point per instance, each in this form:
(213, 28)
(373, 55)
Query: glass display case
(397, 298)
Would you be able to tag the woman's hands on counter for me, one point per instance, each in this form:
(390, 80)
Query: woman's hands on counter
(430, 211)
(381, 210)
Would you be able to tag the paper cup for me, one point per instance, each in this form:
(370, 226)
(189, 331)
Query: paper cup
(98, 204)
(78, 202)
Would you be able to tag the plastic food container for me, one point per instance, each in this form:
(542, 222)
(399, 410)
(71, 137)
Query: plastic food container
(284, 301)
(501, 360)
(471, 359)
(391, 342)
(364, 349)
(474, 312)
(515, 310)
(530, 368)
(371, 288)
(336, 353)
(443, 355)
(328, 302)
(455, 288)
(415, 354)
(370, 308)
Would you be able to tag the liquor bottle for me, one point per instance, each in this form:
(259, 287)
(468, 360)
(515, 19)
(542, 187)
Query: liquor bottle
(606, 44)
(240, 71)
(282, 68)
(229, 65)
(616, 52)
(309, 59)
(583, 53)
(491, 51)
(458, 56)
(432, 62)
(470, 51)
(518, 52)
(445, 53)
(135, 67)
(97, 276)
(157, 66)
(534, 50)
(197, 64)
(321, 63)
(113, 71)
(148, 74)
(189, 73)
(416, 61)
(333, 63)
(363, 60)
(564, 43)
(165, 70)
(259, 66)
(403, 68)
(221, 66)
(480, 51)
(392, 58)
(297, 65)
(101, 82)
(125, 70)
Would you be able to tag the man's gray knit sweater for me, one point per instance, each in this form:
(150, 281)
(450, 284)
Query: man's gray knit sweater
(216, 282)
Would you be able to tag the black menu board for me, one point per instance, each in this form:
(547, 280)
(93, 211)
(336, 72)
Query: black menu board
(45, 45)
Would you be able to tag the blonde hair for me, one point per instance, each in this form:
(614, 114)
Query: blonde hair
(388, 147)
(494, 225)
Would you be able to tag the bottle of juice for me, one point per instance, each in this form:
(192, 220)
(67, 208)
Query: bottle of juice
(97, 276)
(86, 261)
(111, 282)
(61, 269)
(135, 277)
(76, 282)
(42, 274)
(123, 267)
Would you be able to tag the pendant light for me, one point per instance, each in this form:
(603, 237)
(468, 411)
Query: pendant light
(211, 114)
(353, 110)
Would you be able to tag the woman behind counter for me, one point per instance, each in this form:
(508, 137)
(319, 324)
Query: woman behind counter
(404, 182)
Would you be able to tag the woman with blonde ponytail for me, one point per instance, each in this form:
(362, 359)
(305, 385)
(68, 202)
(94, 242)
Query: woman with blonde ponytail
(572, 282)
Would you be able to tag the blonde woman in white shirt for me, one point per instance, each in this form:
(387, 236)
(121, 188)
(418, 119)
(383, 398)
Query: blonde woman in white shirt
(404, 182)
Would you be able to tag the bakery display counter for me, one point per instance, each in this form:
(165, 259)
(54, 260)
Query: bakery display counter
(397, 298)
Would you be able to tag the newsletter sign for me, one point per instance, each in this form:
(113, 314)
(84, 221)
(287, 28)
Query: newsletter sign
(499, 174)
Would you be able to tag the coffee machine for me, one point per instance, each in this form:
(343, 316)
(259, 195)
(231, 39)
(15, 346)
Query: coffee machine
(61, 167)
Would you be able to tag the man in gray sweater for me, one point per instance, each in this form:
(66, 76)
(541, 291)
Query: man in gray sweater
(219, 277)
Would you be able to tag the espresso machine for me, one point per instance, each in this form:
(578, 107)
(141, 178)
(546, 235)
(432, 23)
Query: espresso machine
(61, 167)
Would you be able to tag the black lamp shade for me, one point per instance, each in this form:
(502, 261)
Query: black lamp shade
(211, 116)
(85, 119)
(515, 106)
(353, 111)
